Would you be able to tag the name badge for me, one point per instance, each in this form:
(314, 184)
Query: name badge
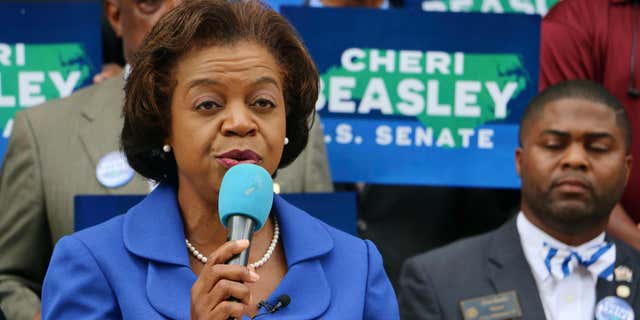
(499, 306)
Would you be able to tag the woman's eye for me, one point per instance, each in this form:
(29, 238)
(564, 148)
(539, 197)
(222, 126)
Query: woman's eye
(207, 105)
(149, 6)
(264, 103)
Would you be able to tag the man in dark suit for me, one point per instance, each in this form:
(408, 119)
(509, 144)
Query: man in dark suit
(554, 259)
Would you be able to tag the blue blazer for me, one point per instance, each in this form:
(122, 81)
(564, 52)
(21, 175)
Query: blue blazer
(136, 266)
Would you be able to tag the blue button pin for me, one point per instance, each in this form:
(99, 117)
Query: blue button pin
(614, 308)
(113, 170)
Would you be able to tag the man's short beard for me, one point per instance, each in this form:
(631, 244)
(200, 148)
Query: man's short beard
(569, 220)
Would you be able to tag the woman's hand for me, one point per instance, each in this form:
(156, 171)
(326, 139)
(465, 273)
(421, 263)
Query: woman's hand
(218, 282)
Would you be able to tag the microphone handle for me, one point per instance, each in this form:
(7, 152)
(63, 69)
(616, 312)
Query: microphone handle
(240, 227)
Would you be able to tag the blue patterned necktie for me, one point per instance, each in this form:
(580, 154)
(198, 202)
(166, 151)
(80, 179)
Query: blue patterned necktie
(599, 260)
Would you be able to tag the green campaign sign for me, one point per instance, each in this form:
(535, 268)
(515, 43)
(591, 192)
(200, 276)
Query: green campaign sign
(450, 93)
(410, 97)
(31, 74)
(47, 51)
(540, 7)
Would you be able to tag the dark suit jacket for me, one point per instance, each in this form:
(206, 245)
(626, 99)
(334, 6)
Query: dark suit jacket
(136, 266)
(433, 284)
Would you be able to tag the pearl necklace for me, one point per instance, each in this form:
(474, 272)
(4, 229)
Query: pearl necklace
(267, 255)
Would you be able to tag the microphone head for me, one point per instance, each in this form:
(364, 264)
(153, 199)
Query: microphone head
(246, 189)
(284, 300)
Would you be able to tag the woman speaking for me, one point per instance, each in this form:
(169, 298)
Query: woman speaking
(216, 84)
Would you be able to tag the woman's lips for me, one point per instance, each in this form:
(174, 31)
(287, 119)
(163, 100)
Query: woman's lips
(230, 162)
(234, 157)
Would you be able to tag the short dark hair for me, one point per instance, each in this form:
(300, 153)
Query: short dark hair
(577, 89)
(196, 24)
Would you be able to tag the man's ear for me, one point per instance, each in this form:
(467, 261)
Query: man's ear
(628, 161)
(519, 160)
(112, 11)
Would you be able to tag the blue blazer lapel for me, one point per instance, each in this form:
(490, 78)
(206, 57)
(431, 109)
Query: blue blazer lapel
(306, 242)
(308, 288)
(508, 270)
(153, 230)
(169, 289)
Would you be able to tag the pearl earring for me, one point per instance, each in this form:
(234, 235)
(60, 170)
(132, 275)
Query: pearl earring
(166, 148)
(286, 141)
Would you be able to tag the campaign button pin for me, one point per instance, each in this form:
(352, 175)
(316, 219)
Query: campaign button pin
(623, 273)
(113, 170)
(613, 308)
(623, 291)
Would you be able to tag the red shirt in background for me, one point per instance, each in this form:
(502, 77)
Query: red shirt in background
(592, 39)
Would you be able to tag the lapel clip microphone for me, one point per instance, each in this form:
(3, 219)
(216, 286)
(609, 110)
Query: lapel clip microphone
(282, 301)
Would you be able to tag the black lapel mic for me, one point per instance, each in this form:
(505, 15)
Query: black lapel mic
(282, 301)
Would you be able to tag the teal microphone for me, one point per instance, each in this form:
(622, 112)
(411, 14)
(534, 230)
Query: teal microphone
(244, 203)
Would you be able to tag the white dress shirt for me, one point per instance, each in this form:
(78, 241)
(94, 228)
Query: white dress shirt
(573, 297)
(126, 72)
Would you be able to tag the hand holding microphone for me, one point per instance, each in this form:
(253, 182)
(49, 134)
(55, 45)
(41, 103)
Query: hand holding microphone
(218, 281)
(244, 203)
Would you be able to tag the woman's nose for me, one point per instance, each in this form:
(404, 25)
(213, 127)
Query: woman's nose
(238, 121)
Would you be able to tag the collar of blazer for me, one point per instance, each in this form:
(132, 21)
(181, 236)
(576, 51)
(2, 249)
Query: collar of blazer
(103, 98)
(100, 107)
(153, 230)
(507, 269)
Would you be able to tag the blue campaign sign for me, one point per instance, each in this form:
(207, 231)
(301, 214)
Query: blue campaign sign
(421, 98)
(47, 50)
(337, 209)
